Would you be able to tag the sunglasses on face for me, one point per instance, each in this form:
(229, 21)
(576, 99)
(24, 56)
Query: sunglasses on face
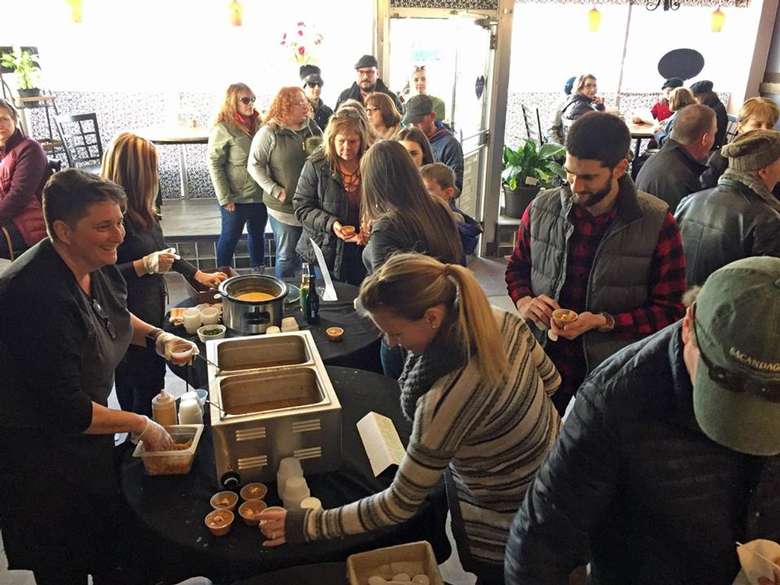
(736, 382)
(314, 84)
(246, 100)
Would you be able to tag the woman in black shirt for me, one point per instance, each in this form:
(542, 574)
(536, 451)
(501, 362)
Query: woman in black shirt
(131, 162)
(65, 326)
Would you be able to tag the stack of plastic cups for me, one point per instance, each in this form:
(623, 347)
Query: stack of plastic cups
(288, 467)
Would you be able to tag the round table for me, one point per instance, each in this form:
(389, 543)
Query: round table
(169, 510)
(359, 347)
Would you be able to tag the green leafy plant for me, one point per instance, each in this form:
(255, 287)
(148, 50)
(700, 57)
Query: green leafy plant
(23, 65)
(531, 161)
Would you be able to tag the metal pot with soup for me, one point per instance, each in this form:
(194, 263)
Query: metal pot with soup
(252, 303)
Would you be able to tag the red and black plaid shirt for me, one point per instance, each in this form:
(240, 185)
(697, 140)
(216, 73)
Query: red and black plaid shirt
(663, 307)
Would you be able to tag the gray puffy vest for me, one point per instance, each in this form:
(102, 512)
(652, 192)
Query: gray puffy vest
(619, 278)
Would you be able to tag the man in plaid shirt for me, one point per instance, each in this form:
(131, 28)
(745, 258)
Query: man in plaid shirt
(599, 247)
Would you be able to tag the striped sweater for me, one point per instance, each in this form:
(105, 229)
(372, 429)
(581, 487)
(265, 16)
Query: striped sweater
(493, 438)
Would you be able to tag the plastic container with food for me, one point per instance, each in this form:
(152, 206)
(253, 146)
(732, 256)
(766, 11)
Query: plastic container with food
(177, 461)
(219, 521)
(254, 491)
(250, 511)
(211, 331)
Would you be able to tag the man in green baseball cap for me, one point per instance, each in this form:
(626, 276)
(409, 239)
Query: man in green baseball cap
(670, 453)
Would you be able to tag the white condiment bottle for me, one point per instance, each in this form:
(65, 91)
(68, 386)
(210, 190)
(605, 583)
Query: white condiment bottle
(190, 412)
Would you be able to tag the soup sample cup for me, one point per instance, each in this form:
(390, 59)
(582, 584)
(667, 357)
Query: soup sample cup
(563, 317)
(224, 500)
(250, 511)
(254, 491)
(219, 521)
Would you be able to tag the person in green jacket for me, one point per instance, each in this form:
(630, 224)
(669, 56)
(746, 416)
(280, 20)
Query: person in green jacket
(277, 155)
(240, 197)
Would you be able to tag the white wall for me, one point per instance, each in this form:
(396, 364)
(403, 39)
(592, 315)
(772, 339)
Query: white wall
(185, 45)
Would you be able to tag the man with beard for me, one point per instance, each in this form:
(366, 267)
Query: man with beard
(367, 82)
(601, 248)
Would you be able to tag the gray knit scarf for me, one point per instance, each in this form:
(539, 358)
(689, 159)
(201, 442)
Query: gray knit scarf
(753, 183)
(421, 371)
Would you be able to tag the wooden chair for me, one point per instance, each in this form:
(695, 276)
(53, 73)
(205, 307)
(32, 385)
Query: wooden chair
(731, 129)
(80, 137)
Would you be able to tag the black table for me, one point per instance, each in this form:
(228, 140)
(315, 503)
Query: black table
(170, 510)
(359, 347)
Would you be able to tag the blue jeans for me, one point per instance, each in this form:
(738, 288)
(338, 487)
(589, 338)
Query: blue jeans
(255, 216)
(286, 238)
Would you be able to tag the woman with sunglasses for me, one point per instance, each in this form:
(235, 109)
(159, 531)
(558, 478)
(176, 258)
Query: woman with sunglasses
(65, 328)
(277, 155)
(142, 258)
(312, 87)
(239, 196)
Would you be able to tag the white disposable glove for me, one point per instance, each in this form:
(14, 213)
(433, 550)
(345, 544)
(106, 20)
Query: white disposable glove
(154, 436)
(160, 261)
(168, 346)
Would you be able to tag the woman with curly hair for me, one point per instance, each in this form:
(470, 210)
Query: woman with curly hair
(279, 150)
(383, 115)
(329, 197)
(239, 196)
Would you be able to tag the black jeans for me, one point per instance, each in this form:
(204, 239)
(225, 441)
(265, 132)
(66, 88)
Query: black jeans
(139, 377)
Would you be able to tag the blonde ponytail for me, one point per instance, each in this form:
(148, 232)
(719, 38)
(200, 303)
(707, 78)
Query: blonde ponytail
(408, 284)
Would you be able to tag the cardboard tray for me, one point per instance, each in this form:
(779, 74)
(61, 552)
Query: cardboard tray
(414, 558)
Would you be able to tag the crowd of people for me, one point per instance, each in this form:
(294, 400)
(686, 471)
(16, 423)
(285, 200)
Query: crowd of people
(666, 381)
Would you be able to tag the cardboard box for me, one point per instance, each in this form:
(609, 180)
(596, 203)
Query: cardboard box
(414, 558)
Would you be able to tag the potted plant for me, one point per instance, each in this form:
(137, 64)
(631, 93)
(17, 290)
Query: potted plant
(527, 170)
(26, 69)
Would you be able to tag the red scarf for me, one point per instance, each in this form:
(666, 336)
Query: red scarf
(248, 123)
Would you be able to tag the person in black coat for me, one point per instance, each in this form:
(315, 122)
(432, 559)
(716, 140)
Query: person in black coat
(702, 91)
(312, 87)
(671, 452)
(738, 218)
(367, 82)
(131, 162)
(673, 172)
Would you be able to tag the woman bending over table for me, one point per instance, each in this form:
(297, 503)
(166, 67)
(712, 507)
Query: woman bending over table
(142, 258)
(65, 328)
(476, 387)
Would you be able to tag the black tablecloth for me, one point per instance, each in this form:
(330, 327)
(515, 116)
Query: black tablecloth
(359, 347)
(170, 510)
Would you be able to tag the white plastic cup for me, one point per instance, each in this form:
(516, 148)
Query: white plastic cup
(190, 412)
(288, 467)
(181, 352)
(209, 316)
(295, 491)
(191, 320)
(311, 503)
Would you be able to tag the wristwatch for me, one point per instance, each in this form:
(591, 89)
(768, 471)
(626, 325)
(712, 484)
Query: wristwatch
(151, 337)
(610, 324)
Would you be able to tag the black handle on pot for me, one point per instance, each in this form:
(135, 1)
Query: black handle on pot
(257, 318)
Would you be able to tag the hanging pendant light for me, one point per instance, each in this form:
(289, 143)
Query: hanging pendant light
(236, 13)
(718, 19)
(76, 11)
(594, 20)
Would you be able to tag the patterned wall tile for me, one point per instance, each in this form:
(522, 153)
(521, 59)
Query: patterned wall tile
(449, 4)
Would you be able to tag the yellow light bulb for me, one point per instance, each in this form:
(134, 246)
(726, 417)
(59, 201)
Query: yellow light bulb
(76, 11)
(236, 13)
(718, 19)
(594, 20)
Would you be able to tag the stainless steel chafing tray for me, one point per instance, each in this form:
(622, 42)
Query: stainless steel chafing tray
(272, 398)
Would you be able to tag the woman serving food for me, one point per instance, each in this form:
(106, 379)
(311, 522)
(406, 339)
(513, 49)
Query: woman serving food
(65, 328)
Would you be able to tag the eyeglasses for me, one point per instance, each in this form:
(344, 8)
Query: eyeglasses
(104, 319)
(246, 100)
(737, 382)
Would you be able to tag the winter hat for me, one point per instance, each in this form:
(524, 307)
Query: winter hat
(366, 61)
(672, 83)
(753, 150)
(310, 74)
(569, 85)
(700, 87)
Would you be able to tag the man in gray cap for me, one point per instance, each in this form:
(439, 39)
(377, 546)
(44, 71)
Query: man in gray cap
(738, 218)
(670, 454)
(367, 82)
(312, 86)
(446, 148)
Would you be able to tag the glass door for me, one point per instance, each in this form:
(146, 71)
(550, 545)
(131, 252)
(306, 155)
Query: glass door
(456, 53)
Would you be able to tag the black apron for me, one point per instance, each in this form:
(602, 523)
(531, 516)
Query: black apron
(60, 492)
